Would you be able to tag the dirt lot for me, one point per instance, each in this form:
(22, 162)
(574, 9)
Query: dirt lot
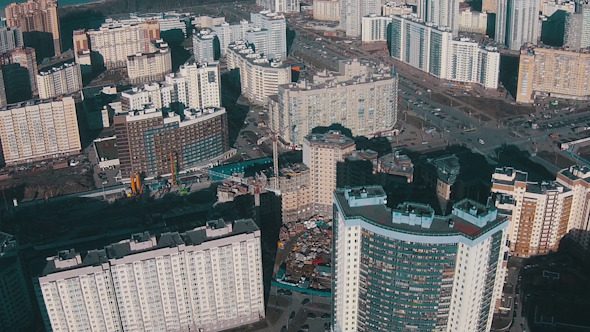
(495, 108)
(45, 182)
(556, 159)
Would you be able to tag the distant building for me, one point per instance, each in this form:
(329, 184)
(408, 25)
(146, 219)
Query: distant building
(517, 23)
(279, 6)
(459, 60)
(361, 97)
(577, 28)
(395, 8)
(447, 169)
(440, 13)
(100, 106)
(19, 69)
(16, 313)
(150, 141)
(259, 77)
(321, 152)
(39, 129)
(402, 267)
(205, 21)
(36, 16)
(577, 179)
(352, 12)
(203, 47)
(546, 71)
(326, 10)
(489, 6)
(274, 45)
(113, 42)
(61, 80)
(475, 22)
(395, 164)
(357, 169)
(150, 66)
(10, 38)
(194, 86)
(374, 28)
(205, 279)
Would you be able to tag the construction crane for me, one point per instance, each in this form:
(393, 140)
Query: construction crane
(173, 171)
(275, 160)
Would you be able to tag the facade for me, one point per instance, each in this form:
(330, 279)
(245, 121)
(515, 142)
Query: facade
(228, 34)
(517, 23)
(440, 13)
(577, 28)
(16, 313)
(151, 66)
(113, 42)
(57, 81)
(321, 153)
(36, 15)
(157, 142)
(362, 97)
(473, 21)
(435, 51)
(194, 86)
(10, 38)
(36, 130)
(555, 72)
(279, 6)
(489, 6)
(539, 212)
(203, 47)
(206, 279)
(577, 179)
(274, 44)
(374, 28)
(408, 269)
(352, 12)
(259, 77)
(326, 10)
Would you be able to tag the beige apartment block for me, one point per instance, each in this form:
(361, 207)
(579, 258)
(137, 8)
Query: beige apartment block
(326, 10)
(151, 66)
(296, 193)
(555, 72)
(539, 212)
(321, 152)
(36, 130)
(40, 15)
(577, 179)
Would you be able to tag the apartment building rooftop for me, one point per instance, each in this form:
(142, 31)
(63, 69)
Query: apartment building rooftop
(33, 102)
(7, 244)
(145, 242)
(468, 219)
(246, 51)
(332, 137)
(54, 69)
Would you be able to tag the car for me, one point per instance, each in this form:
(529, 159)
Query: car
(311, 315)
(304, 327)
(326, 315)
(481, 141)
(305, 301)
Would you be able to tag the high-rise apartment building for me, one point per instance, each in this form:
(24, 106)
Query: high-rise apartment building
(203, 46)
(577, 179)
(352, 12)
(274, 43)
(374, 28)
(205, 279)
(39, 129)
(194, 86)
(362, 97)
(321, 152)
(36, 16)
(10, 38)
(228, 34)
(151, 141)
(15, 306)
(326, 10)
(434, 51)
(489, 6)
(19, 69)
(279, 6)
(470, 21)
(114, 41)
(60, 80)
(440, 13)
(560, 73)
(259, 77)
(539, 212)
(395, 8)
(150, 67)
(408, 269)
(517, 23)
(577, 27)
